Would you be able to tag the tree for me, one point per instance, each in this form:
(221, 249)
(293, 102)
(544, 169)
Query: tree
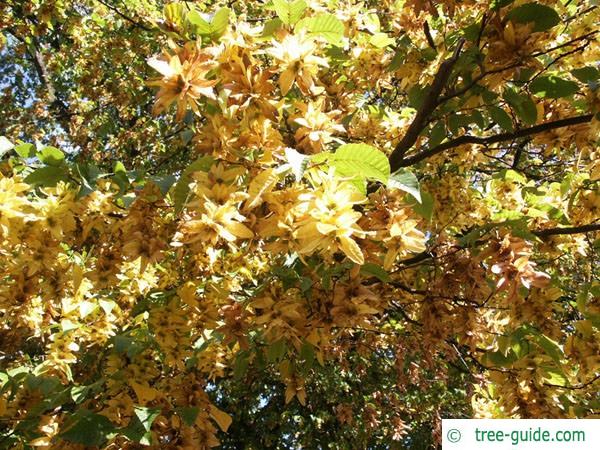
(295, 224)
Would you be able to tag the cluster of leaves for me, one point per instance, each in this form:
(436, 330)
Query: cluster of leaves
(338, 223)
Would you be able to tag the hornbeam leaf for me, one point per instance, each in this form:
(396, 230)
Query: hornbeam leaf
(326, 25)
(362, 161)
(406, 181)
(289, 12)
(553, 87)
(543, 17)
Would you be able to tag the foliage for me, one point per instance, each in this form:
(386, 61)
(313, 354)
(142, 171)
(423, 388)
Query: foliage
(295, 224)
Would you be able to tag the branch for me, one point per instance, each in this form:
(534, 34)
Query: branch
(567, 230)
(430, 102)
(588, 228)
(124, 16)
(45, 79)
(469, 139)
(575, 386)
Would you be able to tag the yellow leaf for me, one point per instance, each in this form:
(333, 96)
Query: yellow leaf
(260, 185)
(222, 418)
(290, 392)
(352, 250)
(143, 392)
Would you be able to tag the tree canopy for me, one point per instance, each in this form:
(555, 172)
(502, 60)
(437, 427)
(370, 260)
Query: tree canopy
(295, 224)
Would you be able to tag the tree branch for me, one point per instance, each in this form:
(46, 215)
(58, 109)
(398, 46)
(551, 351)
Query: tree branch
(567, 230)
(588, 228)
(37, 59)
(469, 139)
(430, 102)
(124, 16)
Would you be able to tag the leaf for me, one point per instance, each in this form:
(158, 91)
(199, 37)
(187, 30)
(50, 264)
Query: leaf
(361, 160)
(139, 427)
(219, 22)
(325, 25)
(552, 349)
(351, 249)
(381, 40)
(25, 150)
(501, 117)
(146, 416)
(307, 354)
(586, 74)
(270, 27)
(276, 350)
(543, 17)
(523, 106)
(51, 156)
(289, 12)
(376, 271)
(425, 209)
(297, 162)
(437, 134)
(143, 392)
(207, 26)
(87, 428)
(188, 414)
(5, 146)
(182, 188)
(553, 87)
(222, 418)
(406, 181)
(164, 183)
(262, 183)
(554, 375)
(47, 176)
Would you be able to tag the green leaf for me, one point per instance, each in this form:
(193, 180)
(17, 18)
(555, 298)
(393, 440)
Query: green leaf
(205, 25)
(501, 117)
(51, 156)
(523, 106)
(87, 428)
(554, 375)
(182, 188)
(437, 134)
(276, 350)
(188, 414)
(551, 347)
(219, 22)
(361, 160)
(164, 183)
(25, 150)
(499, 359)
(146, 416)
(307, 354)
(586, 74)
(5, 146)
(289, 12)
(325, 25)
(376, 271)
(425, 208)
(553, 87)
(271, 26)
(543, 17)
(47, 176)
(138, 429)
(406, 181)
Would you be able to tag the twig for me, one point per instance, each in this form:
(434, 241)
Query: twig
(469, 139)
(430, 102)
